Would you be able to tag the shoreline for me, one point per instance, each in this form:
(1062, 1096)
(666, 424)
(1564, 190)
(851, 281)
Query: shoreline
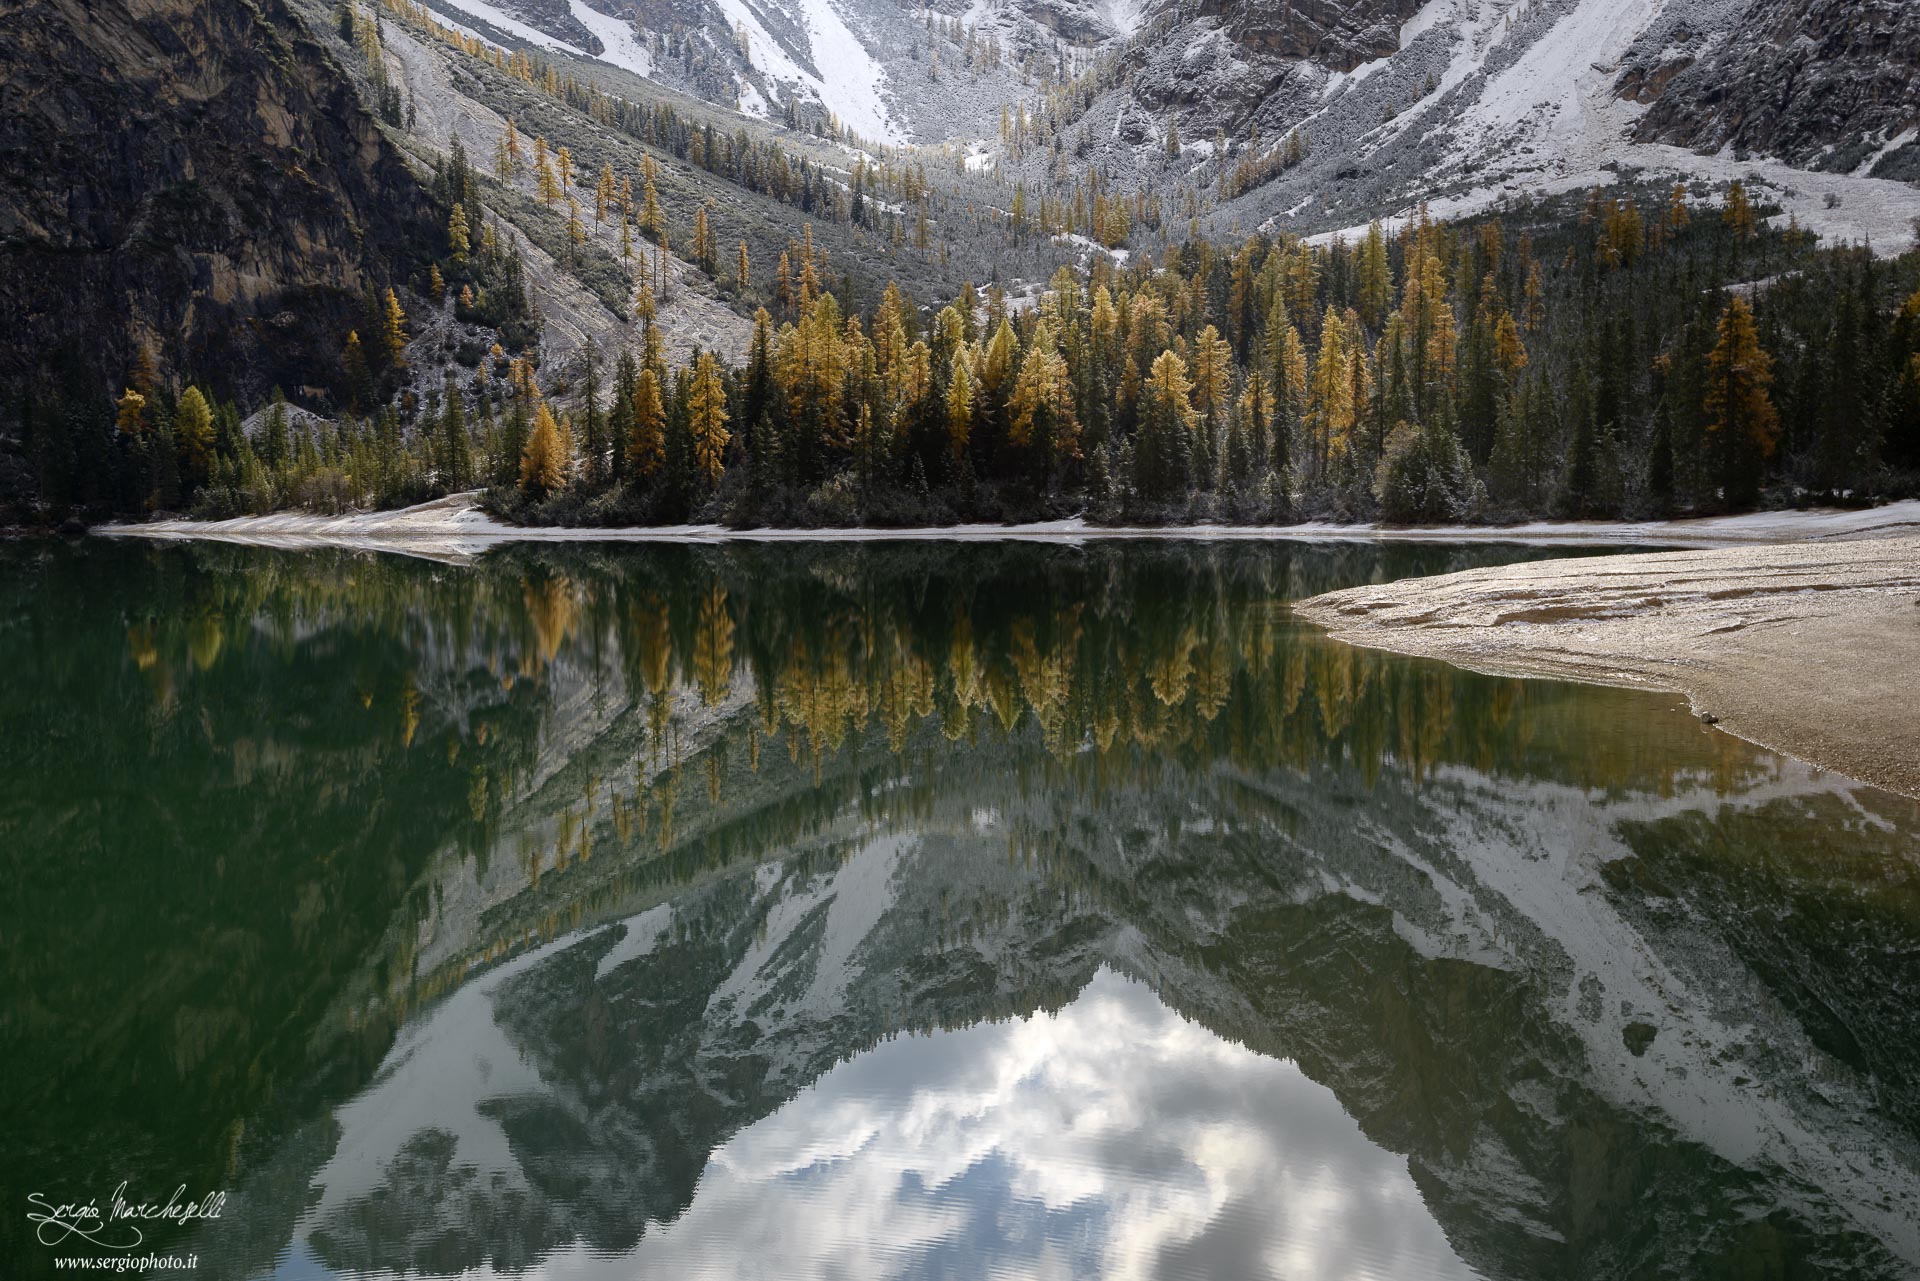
(455, 526)
(1809, 649)
(1751, 603)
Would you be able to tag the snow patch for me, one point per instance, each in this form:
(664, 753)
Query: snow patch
(1556, 97)
(854, 81)
(856, 895)
(851, 84)
(642, 934)
(620, 43)
(1892, 145)
(507, 22)
(1127, 16)
(1424, 21)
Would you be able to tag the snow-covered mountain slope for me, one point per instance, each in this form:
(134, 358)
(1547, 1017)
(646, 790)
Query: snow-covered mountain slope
(832, 64)
(1516, 112)
(1488, 99)
(887, 72)
(1460, 102)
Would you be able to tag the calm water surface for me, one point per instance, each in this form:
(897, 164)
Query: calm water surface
(912, 911)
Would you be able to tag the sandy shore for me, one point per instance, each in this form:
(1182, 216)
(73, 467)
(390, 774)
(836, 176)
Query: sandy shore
(1808, 648)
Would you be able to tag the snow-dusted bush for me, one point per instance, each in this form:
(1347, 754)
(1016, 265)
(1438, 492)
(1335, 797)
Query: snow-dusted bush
(1426, 476)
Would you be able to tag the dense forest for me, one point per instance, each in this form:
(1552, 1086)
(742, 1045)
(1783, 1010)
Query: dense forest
(1594, 361)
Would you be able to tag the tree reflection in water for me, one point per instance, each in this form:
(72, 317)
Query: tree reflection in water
(521, 909)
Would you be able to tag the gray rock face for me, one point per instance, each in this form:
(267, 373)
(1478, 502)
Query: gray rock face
(1466, 103)
(1828, 84)
(1337, 34)
(1821, 83)
(197, 174)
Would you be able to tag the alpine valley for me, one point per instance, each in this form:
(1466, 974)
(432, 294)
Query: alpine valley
(980, 639)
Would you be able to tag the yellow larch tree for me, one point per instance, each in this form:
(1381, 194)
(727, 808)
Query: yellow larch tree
(707, 418)
(647, 448)
(543, 461)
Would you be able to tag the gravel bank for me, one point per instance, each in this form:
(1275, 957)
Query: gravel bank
(1808, 648)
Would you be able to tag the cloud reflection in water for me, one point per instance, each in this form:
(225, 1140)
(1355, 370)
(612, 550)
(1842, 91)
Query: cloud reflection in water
(1112, 1139)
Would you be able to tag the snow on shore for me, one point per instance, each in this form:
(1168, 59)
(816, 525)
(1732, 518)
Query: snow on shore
(456, 525)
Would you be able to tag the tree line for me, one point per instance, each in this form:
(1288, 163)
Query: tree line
(1624, 361)
(1619, 358)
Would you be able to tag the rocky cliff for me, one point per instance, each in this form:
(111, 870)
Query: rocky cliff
(1830, 84)
(1338, 36)
(197, 175)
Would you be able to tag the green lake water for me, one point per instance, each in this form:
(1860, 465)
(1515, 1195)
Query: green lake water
(906, 910)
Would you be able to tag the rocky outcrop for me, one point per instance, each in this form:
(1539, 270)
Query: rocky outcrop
(1822, 83)
(197, 175)
(1338, 36)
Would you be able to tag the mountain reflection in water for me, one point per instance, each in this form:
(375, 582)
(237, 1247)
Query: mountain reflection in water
(923, 911)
